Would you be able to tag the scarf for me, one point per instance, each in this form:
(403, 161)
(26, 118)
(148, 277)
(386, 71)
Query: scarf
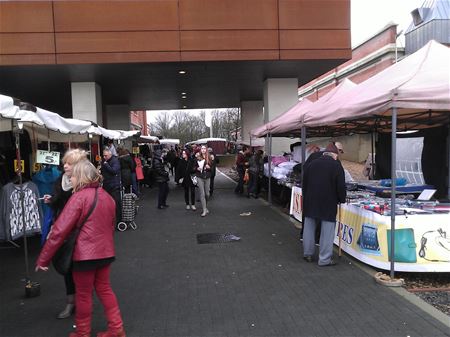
(65, 183)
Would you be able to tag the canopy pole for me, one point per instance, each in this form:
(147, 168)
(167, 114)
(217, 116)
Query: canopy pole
(269, 197)
(22, 204)
(90, 147)
(393, 187)
(372, 164)
(448, 162)
(303, 137)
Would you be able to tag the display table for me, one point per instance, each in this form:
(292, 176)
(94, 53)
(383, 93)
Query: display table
(374, 186)
(422, 241)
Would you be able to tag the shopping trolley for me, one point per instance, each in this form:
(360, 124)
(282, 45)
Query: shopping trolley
(129, 211)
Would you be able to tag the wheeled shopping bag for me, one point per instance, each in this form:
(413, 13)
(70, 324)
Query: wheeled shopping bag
(129, 211)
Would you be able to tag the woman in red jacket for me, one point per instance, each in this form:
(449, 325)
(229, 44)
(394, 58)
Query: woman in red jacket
(94, 249)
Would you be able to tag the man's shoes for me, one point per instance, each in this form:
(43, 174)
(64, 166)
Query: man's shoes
(308, 258)
(165, 206)
(160, 207)
(193, 208)
(188, 207)
(67, 312)
(331, 263)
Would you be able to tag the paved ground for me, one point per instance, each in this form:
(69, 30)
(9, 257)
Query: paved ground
(168, 285)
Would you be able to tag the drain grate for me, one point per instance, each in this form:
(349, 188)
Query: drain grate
(216, 238)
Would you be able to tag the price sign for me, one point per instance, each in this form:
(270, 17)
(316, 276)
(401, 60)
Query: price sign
(22, 165)
(36, 167)
(47, 157)
(135, 150)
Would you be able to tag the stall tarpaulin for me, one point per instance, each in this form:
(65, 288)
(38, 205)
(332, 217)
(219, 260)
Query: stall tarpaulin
(418, 83)
(113, 134)
(55, 122)
(294, 125)
(148, 139)
(287, 118)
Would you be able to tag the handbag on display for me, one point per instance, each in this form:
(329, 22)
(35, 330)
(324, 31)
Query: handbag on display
(62, 261)
(194, 179)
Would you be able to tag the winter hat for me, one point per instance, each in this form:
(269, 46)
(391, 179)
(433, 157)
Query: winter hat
(332, 148)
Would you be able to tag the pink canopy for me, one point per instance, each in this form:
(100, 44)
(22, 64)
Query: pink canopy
(418, 83)
(286, 118)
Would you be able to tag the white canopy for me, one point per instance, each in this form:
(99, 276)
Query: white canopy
(206, 140)
(418, 83)
(148, 139)
(169, 141)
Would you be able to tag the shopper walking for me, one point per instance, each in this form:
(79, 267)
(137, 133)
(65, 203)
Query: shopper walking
(214, 162)
(241, 166)
(110, 170)
(62, 191)
(185, 169)
(203, 174)
(92, 209)
(161, 178)
(323, 189)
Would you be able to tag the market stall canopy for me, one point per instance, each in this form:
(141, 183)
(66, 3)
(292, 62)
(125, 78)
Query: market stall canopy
(418, 86)
(293, 126)
(206, 140)
(255, 142)
(113, 134)
(55, 122)
(11, 108)
(169, 141)
(148, 139)
(285, 119)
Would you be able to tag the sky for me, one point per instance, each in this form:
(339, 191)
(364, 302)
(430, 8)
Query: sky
(370, 16)
(367, 18)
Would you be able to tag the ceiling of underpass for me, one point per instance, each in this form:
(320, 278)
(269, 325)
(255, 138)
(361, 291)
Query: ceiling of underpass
(155, 86)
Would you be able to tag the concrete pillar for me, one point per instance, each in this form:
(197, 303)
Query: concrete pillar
(279, 95)
(87, 101)
(118, 118)
(252, 117)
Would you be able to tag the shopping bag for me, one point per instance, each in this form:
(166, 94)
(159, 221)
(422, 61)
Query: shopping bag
(246, 177)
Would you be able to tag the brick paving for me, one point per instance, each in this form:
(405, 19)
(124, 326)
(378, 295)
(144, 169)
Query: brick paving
(168, 285)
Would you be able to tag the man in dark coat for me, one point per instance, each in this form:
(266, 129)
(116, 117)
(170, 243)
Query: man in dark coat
(323, 189)
(110, 171)
(161, 177)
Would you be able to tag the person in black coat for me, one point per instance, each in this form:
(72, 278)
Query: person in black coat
(110, 171)
(161, 177)
(185, 169)
(323, 189)
(127, 168)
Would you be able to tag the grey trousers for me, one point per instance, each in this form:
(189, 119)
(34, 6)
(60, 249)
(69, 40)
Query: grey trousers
(203, 188)
(326, 240)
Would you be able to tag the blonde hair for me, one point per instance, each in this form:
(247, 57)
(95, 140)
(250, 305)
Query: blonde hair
(72, 157)
(85, 174)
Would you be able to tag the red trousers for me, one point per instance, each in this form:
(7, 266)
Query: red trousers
(85, 282)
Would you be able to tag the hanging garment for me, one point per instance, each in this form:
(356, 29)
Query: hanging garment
(11, 219)
(44, 180)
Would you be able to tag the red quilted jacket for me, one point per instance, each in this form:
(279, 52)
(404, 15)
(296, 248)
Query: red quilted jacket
(95, 239)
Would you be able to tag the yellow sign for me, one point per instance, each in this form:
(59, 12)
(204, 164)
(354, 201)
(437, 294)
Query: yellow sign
(135, 150)
(98, 158)
(36, 167)
(22, 162)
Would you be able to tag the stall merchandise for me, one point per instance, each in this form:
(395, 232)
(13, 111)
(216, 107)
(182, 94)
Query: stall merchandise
(421, 240)
(11, 220)
(422, 234)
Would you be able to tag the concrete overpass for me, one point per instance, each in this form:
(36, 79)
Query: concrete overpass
(95, 59)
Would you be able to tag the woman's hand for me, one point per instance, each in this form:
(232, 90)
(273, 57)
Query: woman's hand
(40, 268)
(47, 198)
(207, 167)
